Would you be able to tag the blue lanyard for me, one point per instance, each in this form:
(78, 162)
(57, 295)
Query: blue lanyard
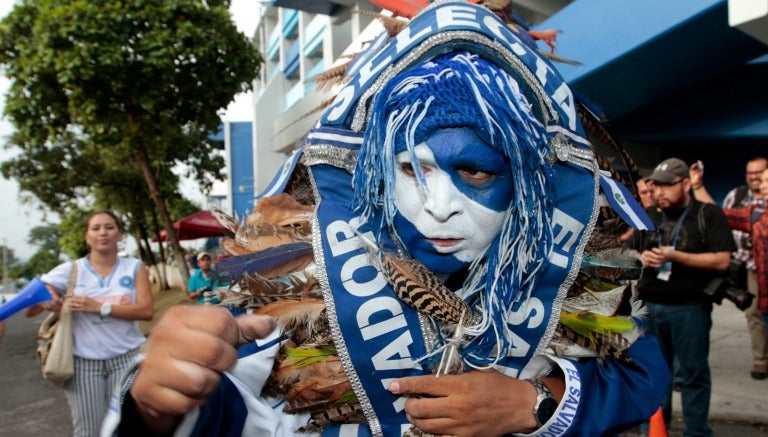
(678, 225)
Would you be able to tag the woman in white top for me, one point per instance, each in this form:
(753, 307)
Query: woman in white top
(111, 295)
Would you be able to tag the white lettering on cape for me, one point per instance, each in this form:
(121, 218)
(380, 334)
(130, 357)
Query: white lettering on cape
(456, 16)
(566, 411)
(404, 38)
(532, 312)
(563, 97)
(450, 15)
(361, 289)
(395, 355)
(380, 304)
(567, 231)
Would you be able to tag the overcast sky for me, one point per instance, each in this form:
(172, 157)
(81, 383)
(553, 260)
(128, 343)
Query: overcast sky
(16, 219)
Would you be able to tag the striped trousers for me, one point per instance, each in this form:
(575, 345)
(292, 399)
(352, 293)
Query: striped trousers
(88, 392)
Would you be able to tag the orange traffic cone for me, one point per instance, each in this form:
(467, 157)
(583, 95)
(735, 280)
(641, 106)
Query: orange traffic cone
(657, 427)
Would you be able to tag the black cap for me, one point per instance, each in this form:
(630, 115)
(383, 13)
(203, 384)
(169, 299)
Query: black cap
(668, 170)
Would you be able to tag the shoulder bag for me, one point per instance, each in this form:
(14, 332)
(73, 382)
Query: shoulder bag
(54, 340)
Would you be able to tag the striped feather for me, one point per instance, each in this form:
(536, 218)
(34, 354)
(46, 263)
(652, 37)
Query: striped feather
(351, 412)
(415, 285)
(601, 345)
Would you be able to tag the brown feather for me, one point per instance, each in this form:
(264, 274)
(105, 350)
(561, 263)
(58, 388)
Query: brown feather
(316, 393)
(266, 235)
(392, 25)
(351, 412)
(287, 373)
(558, 58)
(601, 344)
(229, 222)
(288, 287)
(292, 313)
(280, 210)
(232, 248)
(330, 77)
(418, 287)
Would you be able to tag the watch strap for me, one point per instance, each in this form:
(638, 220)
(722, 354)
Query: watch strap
(545, 405)
(105, 310)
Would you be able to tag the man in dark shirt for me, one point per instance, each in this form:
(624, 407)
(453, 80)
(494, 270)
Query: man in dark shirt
(690, 247)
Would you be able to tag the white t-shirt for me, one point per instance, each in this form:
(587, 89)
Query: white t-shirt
(96, 338)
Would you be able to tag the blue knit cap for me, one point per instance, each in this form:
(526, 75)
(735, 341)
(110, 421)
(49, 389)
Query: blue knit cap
(450, 105)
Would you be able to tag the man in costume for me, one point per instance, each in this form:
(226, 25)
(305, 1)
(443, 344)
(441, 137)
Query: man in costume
(454, 197)
(691, 247)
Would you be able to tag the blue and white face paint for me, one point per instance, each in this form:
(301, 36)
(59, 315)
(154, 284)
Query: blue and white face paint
(454, 218)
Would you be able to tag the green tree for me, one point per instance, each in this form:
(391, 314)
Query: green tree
(99, 84)
(39, 263)
(45, 238)
(72, 232)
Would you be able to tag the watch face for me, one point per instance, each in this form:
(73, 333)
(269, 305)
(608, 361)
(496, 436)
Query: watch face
(546, 409)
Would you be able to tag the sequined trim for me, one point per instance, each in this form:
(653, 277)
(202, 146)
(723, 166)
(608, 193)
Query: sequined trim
(547, 112)
(315, 154)
(330, 308)
(578, 159)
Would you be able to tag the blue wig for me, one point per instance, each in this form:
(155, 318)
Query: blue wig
(465, 90)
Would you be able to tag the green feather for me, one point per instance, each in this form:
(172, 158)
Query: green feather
(589, 323)
(301, 357)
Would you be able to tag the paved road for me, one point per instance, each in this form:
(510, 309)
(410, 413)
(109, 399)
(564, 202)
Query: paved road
(30, 406)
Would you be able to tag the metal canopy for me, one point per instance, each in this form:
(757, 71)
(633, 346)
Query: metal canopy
(665, 71)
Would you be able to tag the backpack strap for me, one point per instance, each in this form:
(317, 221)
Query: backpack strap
(741, 194)
(702, 225)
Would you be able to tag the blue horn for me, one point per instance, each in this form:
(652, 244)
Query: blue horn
(34, 293)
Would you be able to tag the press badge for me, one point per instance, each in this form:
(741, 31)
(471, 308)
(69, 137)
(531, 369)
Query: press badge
(665, 271)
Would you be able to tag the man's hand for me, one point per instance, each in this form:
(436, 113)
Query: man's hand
(185, 354)
(696, 172)
(656, 256)
(478, 403)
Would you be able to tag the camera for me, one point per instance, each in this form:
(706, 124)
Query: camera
(722, 287)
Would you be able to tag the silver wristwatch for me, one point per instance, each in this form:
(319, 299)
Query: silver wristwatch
(105, 310)
(546, 405)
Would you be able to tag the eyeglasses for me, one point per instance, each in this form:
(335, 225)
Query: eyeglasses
(657, 184)
(754, 173)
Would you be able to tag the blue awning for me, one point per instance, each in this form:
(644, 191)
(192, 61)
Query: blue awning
(665, 71)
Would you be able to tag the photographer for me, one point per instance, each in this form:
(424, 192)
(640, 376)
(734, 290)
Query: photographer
(741, 197)
(204, 280)
(690, 247)
(752, 220)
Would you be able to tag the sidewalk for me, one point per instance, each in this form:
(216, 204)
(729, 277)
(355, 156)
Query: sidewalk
(735, 395)
(738, 403)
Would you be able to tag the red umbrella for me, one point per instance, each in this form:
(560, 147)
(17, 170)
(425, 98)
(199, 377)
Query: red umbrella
(201, 224)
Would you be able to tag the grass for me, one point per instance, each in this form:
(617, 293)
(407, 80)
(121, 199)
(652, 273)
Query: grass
(164, 299)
